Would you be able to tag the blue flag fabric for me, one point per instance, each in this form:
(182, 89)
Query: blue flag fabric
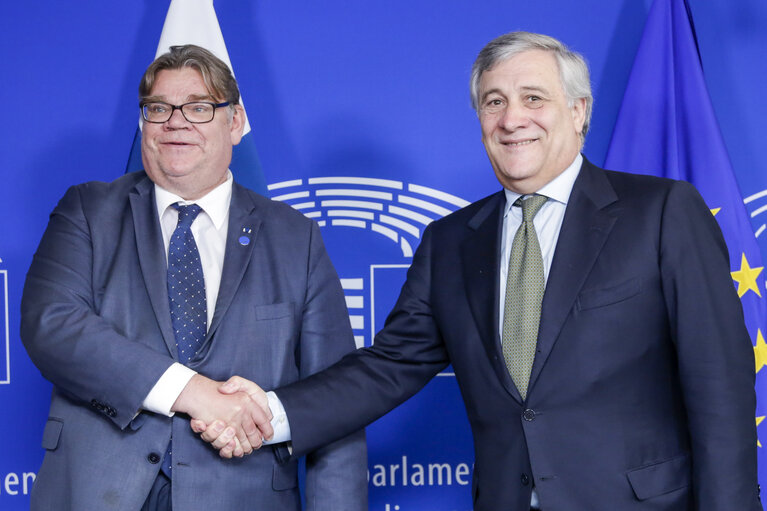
(666, 127)
(195, 22)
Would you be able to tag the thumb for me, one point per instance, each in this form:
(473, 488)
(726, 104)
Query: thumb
(232, 385)
(197, 425)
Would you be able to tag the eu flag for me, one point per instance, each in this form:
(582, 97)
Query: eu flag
(667, 127)
(195, 22)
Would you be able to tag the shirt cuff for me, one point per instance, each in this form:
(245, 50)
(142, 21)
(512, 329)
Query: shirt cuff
(279, 420)
(167, 389)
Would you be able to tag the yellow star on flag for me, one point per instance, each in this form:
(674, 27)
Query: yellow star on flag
(746, 278)
(714, 211)
(760, 351)
(759, 421)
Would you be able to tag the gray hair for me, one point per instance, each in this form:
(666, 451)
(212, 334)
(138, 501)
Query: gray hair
(573, 70)
(215, 73)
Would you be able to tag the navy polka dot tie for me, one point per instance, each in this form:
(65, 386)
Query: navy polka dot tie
(186, 286)
(186, 294)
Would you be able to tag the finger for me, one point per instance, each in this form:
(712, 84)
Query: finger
(228, 450)
(198, 426)
(253, 435)
(238, 450)
(263, 422)
(259, 397)
(224, 438)
(245, 444)
(213, 431)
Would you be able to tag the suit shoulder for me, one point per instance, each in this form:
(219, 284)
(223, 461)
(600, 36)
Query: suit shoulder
(276, 211)
(95, 195)
(631, 183)
(647, 190)
(471, 215)
(122, 184)
(468, 213)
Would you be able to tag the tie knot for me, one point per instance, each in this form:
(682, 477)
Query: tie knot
(530, 206)
(187, 214)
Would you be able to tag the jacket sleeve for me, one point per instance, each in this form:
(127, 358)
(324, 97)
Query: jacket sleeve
(714, 352)
(336, 474)
(72, 346)
(369, 382)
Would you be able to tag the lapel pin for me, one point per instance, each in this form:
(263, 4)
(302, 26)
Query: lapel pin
(245, 237)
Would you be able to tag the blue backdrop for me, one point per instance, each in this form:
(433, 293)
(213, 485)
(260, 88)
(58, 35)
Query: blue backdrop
(372, 90)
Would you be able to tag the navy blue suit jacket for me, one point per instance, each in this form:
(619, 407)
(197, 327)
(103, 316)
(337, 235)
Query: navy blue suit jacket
(642, 390)
(96, 322)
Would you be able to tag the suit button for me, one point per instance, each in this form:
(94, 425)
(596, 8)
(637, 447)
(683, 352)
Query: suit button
(525, 480)
(153, 458)
(529, 415)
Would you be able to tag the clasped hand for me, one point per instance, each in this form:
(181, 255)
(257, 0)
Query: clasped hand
(234, 417)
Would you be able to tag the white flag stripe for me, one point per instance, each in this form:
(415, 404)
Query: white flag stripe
(195, 22)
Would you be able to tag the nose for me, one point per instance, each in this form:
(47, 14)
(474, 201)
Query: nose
(513, 117)
(177, 120)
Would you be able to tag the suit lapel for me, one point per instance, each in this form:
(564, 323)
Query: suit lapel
(243, 222)
(584, 231)
(151, 257)
(480, 255)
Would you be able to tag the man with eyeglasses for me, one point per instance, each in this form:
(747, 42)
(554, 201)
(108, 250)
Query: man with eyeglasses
(148, 292)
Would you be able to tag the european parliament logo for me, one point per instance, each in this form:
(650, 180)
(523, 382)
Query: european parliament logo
(756, 204)
(5, 364)
(371, 228)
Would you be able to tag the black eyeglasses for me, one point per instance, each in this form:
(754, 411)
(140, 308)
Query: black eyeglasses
(197, 112)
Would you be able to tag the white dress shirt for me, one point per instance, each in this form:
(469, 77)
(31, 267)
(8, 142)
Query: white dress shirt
(547, 222)
(209, 230)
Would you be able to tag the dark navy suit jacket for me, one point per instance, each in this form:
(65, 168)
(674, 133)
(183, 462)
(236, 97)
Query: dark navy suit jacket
(642, 390)
(96, 322)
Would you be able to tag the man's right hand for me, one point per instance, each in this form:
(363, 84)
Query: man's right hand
(240, 417)
(215, 432)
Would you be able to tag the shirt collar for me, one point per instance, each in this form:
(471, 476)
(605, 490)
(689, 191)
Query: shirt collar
(558, 189)
(215, 203)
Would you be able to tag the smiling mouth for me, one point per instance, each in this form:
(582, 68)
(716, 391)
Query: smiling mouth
(521, 143)
(177, 145)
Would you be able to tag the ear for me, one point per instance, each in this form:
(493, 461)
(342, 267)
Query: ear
(237, 125)
(578, 111)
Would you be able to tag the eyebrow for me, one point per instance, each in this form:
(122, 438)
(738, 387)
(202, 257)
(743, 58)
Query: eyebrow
(489, 92)
(190, 98)
(535, 88)
(524, 88)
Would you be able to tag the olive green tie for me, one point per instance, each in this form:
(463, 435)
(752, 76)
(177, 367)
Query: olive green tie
(524, 294)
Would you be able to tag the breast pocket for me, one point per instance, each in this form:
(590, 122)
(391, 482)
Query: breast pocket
(52, 433)
(275, 321)
(260, 345)
(593, 298)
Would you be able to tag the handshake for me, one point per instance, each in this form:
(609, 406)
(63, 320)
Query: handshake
(233, 416)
